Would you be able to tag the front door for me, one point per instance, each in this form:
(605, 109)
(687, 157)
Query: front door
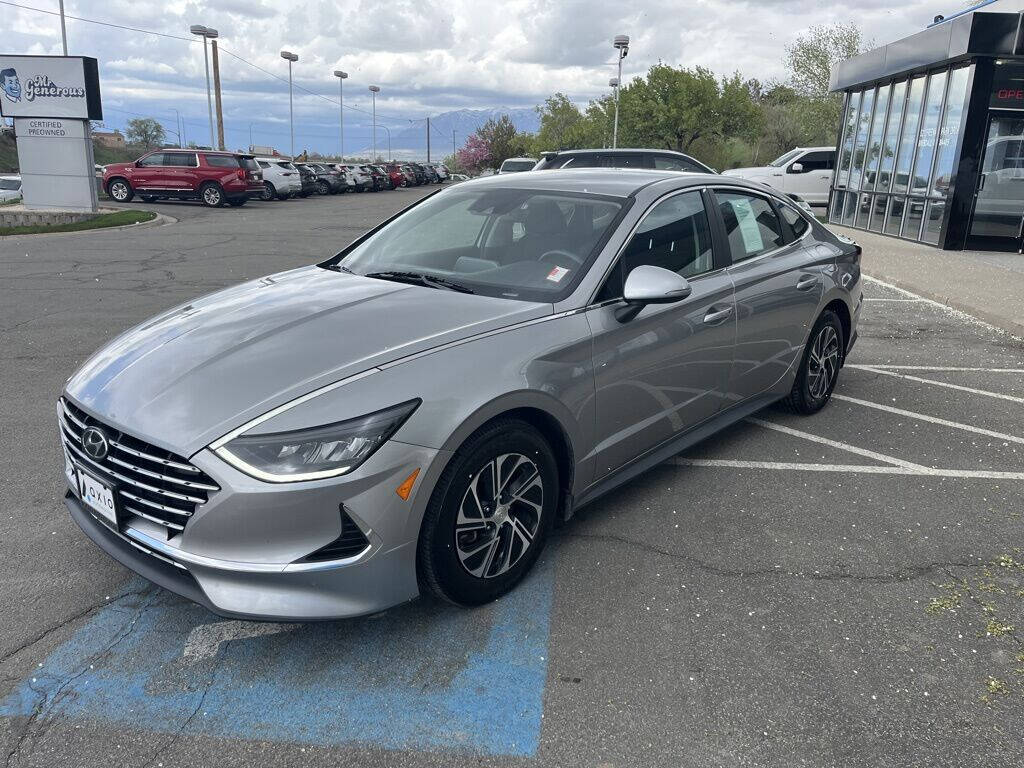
(810, 175)
(999, 199)
(666, 370)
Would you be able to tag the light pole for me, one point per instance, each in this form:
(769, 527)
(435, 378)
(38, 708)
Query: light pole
(205, 33)
(177, 124)
(290, 57)
(374, 90)
(621, 43)
(614, 83)
(384, 127)
(341, 111)
(63, 29)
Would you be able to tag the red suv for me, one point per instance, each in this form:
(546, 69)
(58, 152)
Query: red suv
(214, 178)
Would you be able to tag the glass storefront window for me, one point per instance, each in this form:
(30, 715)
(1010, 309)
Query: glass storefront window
(895, 218)
(912, 218)
(849, 130)
(929, 131)
(908, 138)
(874, 146)
(933, 221)
(863, 210)
(949, 134)
(892, 135)
(877, 213)
(860, 146)
(849, 208)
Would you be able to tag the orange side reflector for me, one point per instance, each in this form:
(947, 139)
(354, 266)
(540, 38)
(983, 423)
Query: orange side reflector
(406, 488)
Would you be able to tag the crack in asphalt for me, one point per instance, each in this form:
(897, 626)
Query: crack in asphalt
(904, 574)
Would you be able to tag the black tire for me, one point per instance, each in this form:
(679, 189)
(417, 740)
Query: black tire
(211, 195)
(269, 193)
(323, 188)
(504, 555)
(148, 198)
(282, 198)
(826, 342)
(120, 190)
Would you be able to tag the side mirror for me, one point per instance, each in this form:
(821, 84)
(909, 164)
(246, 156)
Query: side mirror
(648, 284)
(796, 168)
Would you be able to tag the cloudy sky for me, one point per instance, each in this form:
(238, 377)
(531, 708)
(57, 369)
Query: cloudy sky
(428, 56)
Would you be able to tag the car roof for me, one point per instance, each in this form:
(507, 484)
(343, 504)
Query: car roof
(816, 149)
(616, 182)
(617, 151)
(519, 159)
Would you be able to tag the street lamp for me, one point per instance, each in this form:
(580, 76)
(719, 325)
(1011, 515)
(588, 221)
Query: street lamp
(614, 83)
(621, 43)
(290, 57)
(374, 90)
(206, 33)
(341, 111)
(384, 127)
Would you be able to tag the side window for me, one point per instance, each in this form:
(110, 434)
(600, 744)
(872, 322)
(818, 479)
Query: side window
(750, 223)
(797, 222)
(668, 163)
(579, 161)
(181, 160)
(674, 235)
(818, 161)
(157, 158)
(263, 164)
(624, 160)
(221, 161)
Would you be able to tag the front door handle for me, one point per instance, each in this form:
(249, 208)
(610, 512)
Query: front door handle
(806, 282)
(717, 315)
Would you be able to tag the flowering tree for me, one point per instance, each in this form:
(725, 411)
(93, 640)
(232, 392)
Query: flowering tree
(475, 154)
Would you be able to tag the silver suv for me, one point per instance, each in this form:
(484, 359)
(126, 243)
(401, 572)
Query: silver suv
(415, 413)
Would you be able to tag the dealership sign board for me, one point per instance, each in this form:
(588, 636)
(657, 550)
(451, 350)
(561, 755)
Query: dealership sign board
(50, 86)
(52, 99)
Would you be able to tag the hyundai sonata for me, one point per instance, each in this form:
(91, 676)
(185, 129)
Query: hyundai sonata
(416, 413)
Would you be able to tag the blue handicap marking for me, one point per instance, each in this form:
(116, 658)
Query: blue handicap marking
(419, 677)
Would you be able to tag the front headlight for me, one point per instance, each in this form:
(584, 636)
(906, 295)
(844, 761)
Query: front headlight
(316, 453)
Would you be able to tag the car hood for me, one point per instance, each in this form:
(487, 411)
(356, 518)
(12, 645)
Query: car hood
(194, 373)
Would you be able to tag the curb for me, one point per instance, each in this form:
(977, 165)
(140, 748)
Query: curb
(160, 220)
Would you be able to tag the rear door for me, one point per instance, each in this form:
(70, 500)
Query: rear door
(779, 284)
(667, 369)
(812, 179)
(183, 170)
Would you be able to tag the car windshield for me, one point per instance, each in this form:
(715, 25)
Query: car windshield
(778, 162)
(515, 243)
(10, 184)
(518, 165)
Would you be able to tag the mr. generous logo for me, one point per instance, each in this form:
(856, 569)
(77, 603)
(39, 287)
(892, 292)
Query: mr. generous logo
(38, 87)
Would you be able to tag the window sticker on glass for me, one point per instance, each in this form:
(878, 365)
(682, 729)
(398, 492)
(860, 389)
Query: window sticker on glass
(749, 230)
(556, 274)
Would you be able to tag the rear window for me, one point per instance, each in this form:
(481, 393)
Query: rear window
(518, 165)
(222, 161)
(286, 166)
(263, 163)
(248, 163)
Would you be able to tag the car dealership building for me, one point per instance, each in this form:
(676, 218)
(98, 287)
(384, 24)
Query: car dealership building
(931, 144)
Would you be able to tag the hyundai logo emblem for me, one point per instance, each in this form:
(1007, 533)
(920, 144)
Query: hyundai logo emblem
(94, 443)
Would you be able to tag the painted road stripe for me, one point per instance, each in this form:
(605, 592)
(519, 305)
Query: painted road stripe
(836, 444)
(930, 419)
(947, 385)
(905, 301)
(969, 474)
(937, 368)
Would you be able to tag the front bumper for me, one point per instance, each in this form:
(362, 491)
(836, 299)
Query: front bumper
(245, 553)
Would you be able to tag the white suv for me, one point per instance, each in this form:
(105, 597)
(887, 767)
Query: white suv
(804, 171)
(280, 178)
(10, 188)
(360, 178)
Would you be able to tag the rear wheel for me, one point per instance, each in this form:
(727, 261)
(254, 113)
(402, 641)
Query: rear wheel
(490, 514)
(819, 369)
(120, 190)
(323, 188)
(212, 195)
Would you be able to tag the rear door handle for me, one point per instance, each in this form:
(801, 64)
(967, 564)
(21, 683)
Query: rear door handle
(717, 315)
(806, 282)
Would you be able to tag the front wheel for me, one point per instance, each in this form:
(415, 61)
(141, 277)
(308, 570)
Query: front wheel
(490, 514)
(819, 369)
(268, 193)
(120, 190)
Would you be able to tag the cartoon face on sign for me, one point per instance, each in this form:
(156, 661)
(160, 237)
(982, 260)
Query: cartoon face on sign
(10, 84)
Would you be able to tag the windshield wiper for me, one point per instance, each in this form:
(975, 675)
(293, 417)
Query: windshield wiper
(417, 279)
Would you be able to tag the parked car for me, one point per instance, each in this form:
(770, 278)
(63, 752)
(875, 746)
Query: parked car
(362, 180)
(381, 172)
(421, 173)
(414, 414)
(517, 165)
(213, 178)
(397, 176)
(307, 180)
(281, 178)
(660, 159)
(378, 180)
(442, 171)
(433, 177)
(805, 171)
(459, 177)
(410, 175)
(10, 188)
(336, 181)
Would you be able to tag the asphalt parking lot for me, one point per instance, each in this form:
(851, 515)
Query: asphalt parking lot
(840, 590)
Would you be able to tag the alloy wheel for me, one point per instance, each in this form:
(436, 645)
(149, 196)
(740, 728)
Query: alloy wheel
(119, 191)
(823, 365)
(211, 196)
(499, 516)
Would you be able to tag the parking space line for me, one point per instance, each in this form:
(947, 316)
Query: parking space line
(907, 301)
(960, 387)
(919, 471)
(836, 444)
(935, 368)
(930, 419)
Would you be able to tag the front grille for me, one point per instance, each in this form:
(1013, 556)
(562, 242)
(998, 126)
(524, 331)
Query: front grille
(154, 484)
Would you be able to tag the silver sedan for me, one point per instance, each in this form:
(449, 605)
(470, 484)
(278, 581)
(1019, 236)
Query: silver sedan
(415, 414)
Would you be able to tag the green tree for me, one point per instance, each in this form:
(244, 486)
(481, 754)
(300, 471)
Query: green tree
(502, 140)
(810, 61)
(564, 126)
(144, 131)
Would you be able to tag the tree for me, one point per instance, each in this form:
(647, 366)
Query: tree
(502, 140)
(564, 126)
(475, 154)
(144, 131)
(810, 61)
